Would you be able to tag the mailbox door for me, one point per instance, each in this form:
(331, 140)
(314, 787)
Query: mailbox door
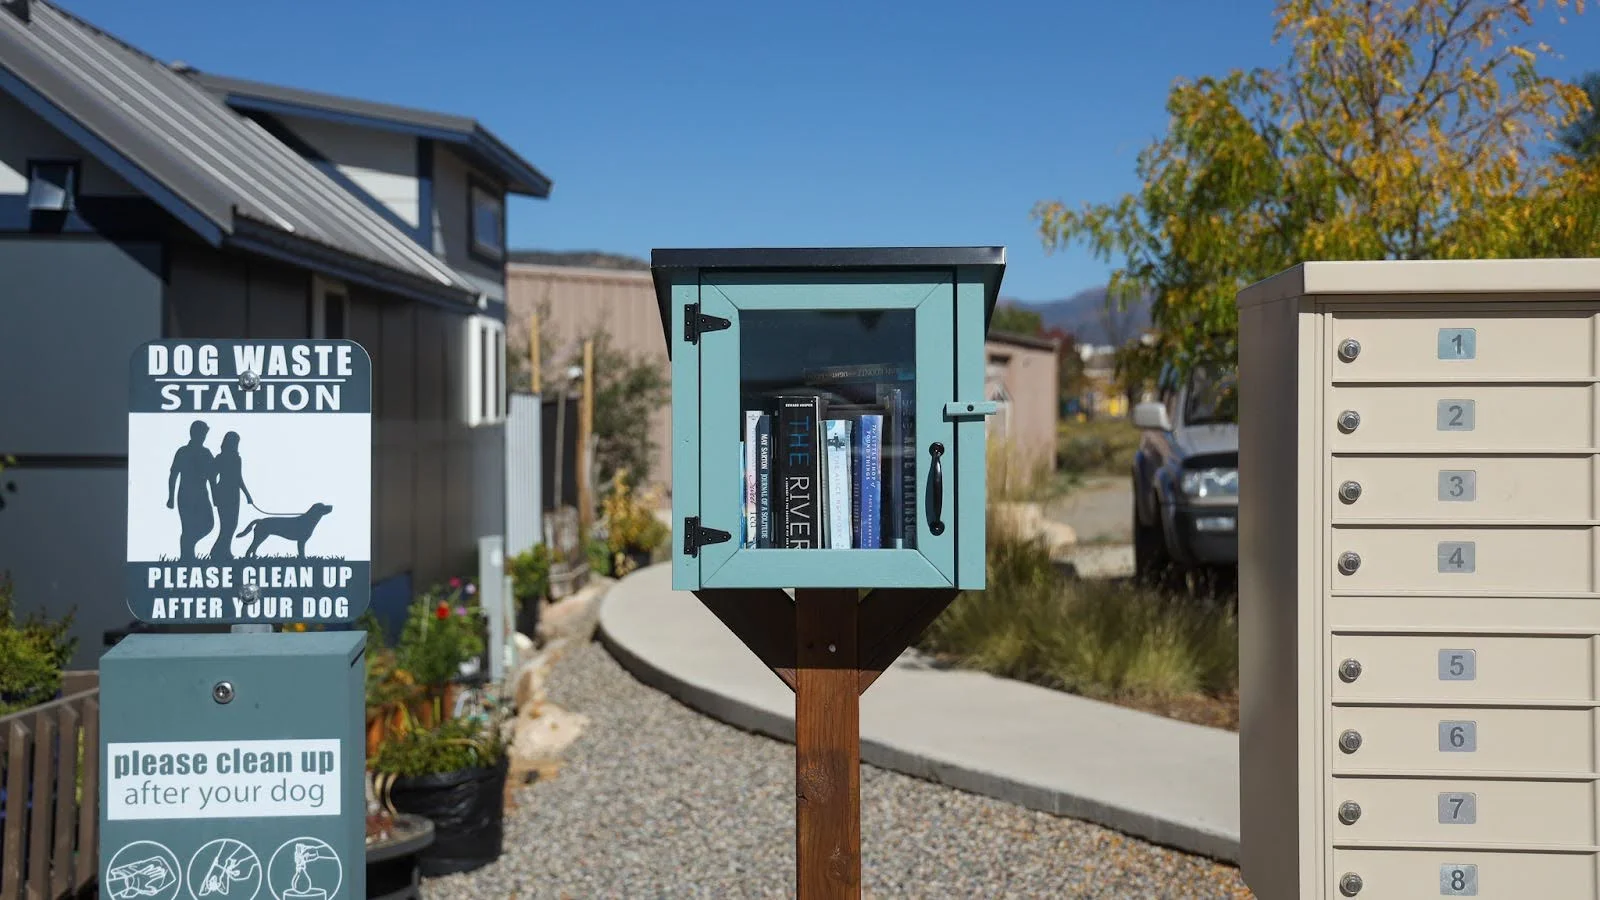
(852, 374)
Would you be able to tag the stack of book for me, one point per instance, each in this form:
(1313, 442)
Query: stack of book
(825, 471)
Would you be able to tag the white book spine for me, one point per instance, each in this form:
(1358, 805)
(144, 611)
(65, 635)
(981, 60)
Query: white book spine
(838, 441)
(751, 418)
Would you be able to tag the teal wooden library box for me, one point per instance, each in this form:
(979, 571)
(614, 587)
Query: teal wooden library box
(828, 415)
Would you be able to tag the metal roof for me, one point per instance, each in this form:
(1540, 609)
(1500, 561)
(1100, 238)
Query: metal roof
(215, 170)
(476, 141)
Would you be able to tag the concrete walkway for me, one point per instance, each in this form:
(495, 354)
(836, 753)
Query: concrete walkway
(1162, 780)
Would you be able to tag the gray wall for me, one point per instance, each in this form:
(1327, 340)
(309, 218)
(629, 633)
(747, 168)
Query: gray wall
(75, 310)
(450, 214)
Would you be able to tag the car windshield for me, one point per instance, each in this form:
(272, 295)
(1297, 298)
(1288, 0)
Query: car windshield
(1213, 398)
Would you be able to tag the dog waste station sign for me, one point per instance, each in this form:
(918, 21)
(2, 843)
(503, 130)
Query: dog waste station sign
(249, 482)
(233, 762)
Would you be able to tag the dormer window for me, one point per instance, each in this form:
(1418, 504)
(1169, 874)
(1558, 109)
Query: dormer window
(486, 223)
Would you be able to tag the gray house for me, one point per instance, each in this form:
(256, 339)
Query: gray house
(142, 200)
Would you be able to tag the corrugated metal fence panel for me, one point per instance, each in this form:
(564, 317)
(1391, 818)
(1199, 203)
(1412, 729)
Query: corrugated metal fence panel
(523, 473)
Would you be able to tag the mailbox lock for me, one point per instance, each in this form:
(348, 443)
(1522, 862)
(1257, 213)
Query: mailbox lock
(1349, 349)
(1349, 562)
(1348, 420)
(222, 692)
(1349, 670)
(1350, 491)
(1350, 884)
(1350, 741)
(1349, 812)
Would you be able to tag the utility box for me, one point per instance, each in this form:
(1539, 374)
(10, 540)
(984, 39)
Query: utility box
(828, 402)
(1420, 580)
(232, 767)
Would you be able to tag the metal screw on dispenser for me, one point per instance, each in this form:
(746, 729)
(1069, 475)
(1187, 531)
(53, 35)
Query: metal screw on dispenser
(249, 380)
(250, 593)
(1349, 812)
(1350, 741)
(1349, 420)
(1350, 491)
(1349, 670)
(1349, 349)
(1349, 562)
(222, 692)
(1350, 884)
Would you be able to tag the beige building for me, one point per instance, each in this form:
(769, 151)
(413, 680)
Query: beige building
(604, 292)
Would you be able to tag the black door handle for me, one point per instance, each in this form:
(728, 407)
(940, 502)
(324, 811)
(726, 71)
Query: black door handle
(936, 489)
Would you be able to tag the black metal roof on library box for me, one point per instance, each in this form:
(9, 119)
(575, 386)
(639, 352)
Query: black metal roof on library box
(990, 261)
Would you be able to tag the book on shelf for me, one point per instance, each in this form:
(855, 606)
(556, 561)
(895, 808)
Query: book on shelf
(748, 460)
(744, 500)
(838, 453)
(800, 471)
(764, 460)
(900, 468)
(869, 440)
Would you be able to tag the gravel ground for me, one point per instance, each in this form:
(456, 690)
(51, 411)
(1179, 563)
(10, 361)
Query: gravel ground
(658, 801)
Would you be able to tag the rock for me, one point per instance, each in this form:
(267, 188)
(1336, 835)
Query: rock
(537, 741)
(573, 616)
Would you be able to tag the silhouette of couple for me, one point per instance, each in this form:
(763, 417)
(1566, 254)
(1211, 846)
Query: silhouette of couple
(199, 480)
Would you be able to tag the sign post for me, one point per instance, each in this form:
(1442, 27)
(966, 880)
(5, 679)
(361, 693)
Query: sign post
(234, 763)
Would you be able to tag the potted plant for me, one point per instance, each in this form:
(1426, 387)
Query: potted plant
(530, 584)
(442, 633)
(454, 775)
(632, 531)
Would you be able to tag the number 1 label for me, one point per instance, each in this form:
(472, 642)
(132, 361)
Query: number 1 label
(1458, 343)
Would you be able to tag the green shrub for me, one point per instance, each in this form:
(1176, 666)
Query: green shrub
(455, 745)
(33, 652)
(1098, 639)
(1102, 446)
(441, 632)
(530, 574)
(598, 553)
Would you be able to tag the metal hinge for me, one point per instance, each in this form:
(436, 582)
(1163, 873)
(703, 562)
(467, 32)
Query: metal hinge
(696, 323)
(695, 537)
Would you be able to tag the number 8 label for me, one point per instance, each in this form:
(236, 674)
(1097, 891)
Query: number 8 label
(1458, 880)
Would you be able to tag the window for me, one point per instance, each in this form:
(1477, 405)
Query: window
(1213, 397)
(52, 185)
(486, 362)
(330, 305)
(486, 225)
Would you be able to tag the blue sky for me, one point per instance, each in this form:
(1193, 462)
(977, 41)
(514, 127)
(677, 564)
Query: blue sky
(688, 124)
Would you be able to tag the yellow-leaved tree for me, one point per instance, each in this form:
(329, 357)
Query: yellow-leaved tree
(1420, 130)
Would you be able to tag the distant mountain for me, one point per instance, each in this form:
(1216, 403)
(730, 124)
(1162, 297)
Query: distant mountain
(588, 259)
(1085, 315)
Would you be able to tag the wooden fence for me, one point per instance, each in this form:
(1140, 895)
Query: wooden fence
(50, 771)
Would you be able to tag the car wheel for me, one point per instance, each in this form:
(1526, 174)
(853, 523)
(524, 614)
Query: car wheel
(1151, 561)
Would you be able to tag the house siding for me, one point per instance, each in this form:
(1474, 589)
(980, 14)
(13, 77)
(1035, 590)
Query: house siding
(451, 177)
(382, 164)
(76, 309)
(24, 136)
(1028, 374)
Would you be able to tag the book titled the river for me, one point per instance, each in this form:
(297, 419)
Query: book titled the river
(800, 468)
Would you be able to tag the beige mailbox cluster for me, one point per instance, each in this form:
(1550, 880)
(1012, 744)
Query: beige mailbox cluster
(1420, 580)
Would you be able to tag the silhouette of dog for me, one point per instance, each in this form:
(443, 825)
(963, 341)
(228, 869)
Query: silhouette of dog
(293, 528)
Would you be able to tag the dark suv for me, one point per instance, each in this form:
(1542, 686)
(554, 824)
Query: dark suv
(1186, 476)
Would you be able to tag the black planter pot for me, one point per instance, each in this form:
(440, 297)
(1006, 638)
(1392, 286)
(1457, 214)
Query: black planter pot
(467, 808)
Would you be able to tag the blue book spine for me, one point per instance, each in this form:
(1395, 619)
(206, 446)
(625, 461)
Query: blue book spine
(744, 497)
(764, 481)
(871, 462)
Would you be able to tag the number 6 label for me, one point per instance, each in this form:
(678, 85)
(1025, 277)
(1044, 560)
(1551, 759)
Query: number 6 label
(1458, 737)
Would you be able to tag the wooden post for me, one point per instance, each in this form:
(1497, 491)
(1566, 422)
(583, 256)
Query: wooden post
(585, 438)
(534, 361)
(827, 730)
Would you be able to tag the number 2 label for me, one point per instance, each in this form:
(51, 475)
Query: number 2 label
(1456, 415)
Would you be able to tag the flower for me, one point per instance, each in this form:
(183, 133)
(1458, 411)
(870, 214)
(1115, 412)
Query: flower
(442, 612)
(455, 582)
(461, 610)
(471, 589)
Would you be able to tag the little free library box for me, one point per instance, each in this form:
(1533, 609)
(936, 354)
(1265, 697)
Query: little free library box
(828, 402)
